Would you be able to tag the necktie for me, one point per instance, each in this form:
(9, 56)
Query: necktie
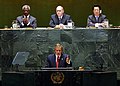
(60, 20)
(57, 62)
(97, 18)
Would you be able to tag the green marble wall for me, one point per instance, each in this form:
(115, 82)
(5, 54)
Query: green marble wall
(42, 9)
(92, 48)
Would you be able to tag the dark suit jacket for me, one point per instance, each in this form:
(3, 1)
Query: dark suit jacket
(51, 61)
(92, 20)
(32, 21)
(55, 20)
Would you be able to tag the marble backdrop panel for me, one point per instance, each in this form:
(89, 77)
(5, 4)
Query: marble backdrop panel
(95, 49)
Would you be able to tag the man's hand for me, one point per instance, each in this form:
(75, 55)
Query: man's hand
(68, 60)
(57, 27)
(25, 20)
(60, 26)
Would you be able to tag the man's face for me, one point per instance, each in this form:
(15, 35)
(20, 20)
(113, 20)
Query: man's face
(58, 50)
(96, 11)
(59, 11)
(26, 12)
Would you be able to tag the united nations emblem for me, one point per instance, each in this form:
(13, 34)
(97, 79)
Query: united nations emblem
(57, 77)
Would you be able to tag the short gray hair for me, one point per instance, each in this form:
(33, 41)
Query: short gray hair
(26, 7)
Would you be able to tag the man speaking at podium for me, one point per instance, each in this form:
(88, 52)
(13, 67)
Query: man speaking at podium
(58, 59)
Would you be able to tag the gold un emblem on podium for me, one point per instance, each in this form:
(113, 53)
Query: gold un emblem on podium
(57, 77)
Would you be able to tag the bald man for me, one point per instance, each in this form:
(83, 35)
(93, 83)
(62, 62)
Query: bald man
(26, 20)
(59, 19)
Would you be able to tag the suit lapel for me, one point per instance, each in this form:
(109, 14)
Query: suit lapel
(22, 18)
(56, 19)
(29, 17)
(63, 19)
(94, 19)
(61, 64)
(99, 19)
(54, 60)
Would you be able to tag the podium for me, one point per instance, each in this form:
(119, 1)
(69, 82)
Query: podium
(59, 78)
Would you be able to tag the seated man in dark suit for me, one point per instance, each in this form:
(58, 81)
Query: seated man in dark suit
(58, 59)
(97, 18)
(59, 19)
(26, 20)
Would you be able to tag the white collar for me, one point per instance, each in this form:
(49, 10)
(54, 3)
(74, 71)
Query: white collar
(27, 16)
(96, 16)
(57, 56)
(60, 17)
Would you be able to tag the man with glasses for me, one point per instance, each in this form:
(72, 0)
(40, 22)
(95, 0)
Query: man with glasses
(59, 19)
(97, 18)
